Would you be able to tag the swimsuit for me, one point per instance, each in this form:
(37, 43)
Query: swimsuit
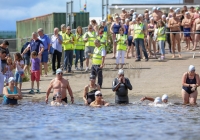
(175, 32)
(190, 81)
(186, 32)
(64, 99)
(91, 94)
(152, 32)
(197, 32)
(116, 28)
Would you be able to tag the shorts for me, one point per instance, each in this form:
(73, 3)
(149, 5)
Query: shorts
(18, 78)
(35, 75)
(186, 30)
(88, 49)
(64, 99)
(130, 41)
(26, 60)
(182, 28)
(45, 57)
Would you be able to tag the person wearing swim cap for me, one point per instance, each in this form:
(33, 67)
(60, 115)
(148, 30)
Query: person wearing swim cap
(99, 102)
(164, 98)
(90, 89)
(190, 82)
(11, 93)
(59, 85)
(157, 100)
(58, 101)
(120, 86)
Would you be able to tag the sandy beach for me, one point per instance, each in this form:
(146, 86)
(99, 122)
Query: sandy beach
(152, 78)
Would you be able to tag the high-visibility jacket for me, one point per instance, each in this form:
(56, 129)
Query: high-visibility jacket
(67, 45)
(79, 43)
(138, 31)
(102, 40)
(97, 58)
(63, 35)
(121, 44)
(91, 38)
(161, 34)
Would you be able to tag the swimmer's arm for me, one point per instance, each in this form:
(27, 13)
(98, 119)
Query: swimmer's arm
(147, 98)
(128, 84)
(198, 80)
(106, 103)
(52, 103)
(183, 23)
(93, 105)
(184, 80)
(115, 86)
(19, 95)
(70, 92)
(84, 94)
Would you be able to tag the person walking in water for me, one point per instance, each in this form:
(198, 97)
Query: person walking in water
(120, 86)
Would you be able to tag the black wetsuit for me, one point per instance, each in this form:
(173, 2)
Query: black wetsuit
(190, 81)
(91, 95)
(121, 94)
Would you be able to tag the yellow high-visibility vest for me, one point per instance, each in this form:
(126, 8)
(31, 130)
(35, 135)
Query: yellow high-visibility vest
(121, 44)
(97, 58)
(67, 45)
(79, 43)
(138, 31)
(161, 34)
(91, 38)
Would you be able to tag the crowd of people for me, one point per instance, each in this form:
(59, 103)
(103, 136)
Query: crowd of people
(129, 31)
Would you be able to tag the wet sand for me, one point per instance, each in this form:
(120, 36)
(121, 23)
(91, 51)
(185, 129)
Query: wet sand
(152, 78)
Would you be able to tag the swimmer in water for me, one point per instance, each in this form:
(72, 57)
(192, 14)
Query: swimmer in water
(98, 102)
(164, 98)
(58, 101)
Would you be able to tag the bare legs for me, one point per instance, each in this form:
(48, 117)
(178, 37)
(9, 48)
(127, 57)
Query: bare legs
(189, 98)
(175, 38)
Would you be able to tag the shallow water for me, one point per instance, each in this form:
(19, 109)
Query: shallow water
(36, 121)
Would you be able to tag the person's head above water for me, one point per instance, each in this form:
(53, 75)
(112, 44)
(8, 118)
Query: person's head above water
(59, 73)
(157, 100)
(165, 98)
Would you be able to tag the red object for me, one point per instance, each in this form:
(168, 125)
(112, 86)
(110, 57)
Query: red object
(35, 75)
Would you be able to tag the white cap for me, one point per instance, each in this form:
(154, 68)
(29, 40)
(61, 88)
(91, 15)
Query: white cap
(131, 10)
(178, 9)
(116, 16)
(147, 9)
(151, 18)
(167, 18)
(163, 16)
(157, 100)
(164, 97)
(127, 20)
(140, 15)
(191, 68)
(150, 12)
(123, 9)
(187, 13)
(158, 8)
(11, 79)
(135, 13)
(121, 71)
(133, 19)
(171, 8)
(97, 92)
(58, 71)
(154, 8)
(134, 16)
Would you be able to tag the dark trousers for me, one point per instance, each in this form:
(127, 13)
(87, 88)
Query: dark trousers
(56, 55)
(97, 71)
(140, 42)
(68, 60)
(79, 55)
(168, 39)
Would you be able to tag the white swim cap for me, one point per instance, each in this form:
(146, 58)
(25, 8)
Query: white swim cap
(127, 20)
(191, 68)
(151, 18)
(163, 16)
(164, 97)
(187, 13)
(171, 8)
(11, 79)
(140, 15)
(167, 18)
(97, 92)
(58, 71)
(157, 100)
(123, 9)
(134, 16)
(158, 8)
(121, 71)
(150, 12)
(133, 19)
(154, 8)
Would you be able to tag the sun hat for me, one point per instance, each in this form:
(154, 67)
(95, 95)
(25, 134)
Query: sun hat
(164, 97)
(157, 100)
(121, 71)
(97, 92)
(58, 71)
(191, 68)
(11, 79)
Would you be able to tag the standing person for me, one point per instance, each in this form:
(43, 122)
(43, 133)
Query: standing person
(123, 15)
(89, 38)
(171, 12)
(186, 23)
(56, 43)
(95, 25)
(98, 61)
(126, 26)
(139, 32)
(8, 69)
(59, 85)
(151, 27)
(131, 43)
(120, 86)
(79, 47)
(161, 39)
(131, 15)
(4, 47)
(102, 37)
(190, 82)
(114, 29)
(156, 14)
(121, 40)
(90, 89)
(11, 93)
(19, 72)
(26, 57)
(35, 72)
(1, 74)
(3, 57)
(46, 42)
(99, 102)
(68, 43)
(196, 29)
(35, 45)
(174, 25)
(168, 34)
(182, 17)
